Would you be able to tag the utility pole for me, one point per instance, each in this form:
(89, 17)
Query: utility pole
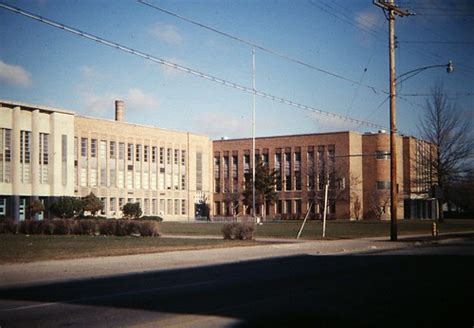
(253, 137)
(392, 10)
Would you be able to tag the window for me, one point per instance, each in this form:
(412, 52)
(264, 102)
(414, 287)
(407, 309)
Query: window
(310, 169)
(183, 157)
(162, 154)
(121, 151)
(176, 156)
(168, 155)
(25, 147)
(83, 147)
(278, 172)
(44, 158)
(146, 154)
(382, 155)
(153, 154)
(287, 171)
(176, 207)
(217, 208)
(129, 152)
(383, 185)
(246, 163)
(288, 206)
(3, 206)
(103, 163)
(112, 204)
(199, 171)
(226, 167)
(64, 159)
(183, 207)
(93, 148)
(138, 153)
(112, 151)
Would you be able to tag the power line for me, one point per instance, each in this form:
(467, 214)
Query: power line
(186, 69)
(260, 47)
(438, 42)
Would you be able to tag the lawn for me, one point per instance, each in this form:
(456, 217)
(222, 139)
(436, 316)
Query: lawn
(313, 229)
(23, 248)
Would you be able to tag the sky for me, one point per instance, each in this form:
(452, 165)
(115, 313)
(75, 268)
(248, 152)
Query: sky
(44, 65)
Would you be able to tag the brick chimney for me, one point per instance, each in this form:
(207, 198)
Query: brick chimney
(119, 110)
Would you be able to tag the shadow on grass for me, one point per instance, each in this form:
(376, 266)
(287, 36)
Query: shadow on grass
(297, 291)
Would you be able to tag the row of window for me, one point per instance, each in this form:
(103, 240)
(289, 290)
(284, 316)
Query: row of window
(153, 206)
(135, 152)
(25, 157)
(287, 206)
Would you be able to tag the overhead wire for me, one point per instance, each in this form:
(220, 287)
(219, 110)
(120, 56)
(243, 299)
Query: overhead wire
(260, 47)
(185, 69)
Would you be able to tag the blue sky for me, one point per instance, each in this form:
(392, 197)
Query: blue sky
(44, 65)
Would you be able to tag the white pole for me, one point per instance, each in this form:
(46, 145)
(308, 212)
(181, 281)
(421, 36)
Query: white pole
(325, 208)
(253, 136)
(304, 221)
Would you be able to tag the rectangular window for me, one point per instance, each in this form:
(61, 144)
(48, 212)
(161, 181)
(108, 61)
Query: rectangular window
(183, 207)
(146, 154)
(121, 151)
(289, 210)
(44, 158)
(103, 162)
(279, 182)
(113, 150)
(226, 167)
(199, 171)
(246, 163)
(162, 155)
(169, 206)
(93, 148)
(183, 157)
(383, 185)
(112, 205)
(153, 154)
(5, 155)
(83, 147)
(287, 166)
(3, 206)
(138, 153)
(168, 156)
(385, 155)
(64, 159)
(129, 152)
(176, 207)
(217, 208)
(154, 206)
(162, 207)
(176, 156)
(265, 159)
(25, 147)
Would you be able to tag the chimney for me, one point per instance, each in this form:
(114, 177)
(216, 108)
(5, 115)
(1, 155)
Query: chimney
(119, 108)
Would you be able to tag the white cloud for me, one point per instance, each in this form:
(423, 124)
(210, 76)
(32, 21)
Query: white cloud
(219, 125)
(90, 72)
(135, 101)
(331, 124)
(367, 19)
(167, 33)
(14, 75)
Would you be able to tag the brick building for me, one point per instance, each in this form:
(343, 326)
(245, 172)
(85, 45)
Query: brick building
(355, 166)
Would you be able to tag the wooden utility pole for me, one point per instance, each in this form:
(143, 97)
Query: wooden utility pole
(392, 10)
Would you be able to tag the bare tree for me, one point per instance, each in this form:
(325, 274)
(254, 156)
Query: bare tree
(442, 124)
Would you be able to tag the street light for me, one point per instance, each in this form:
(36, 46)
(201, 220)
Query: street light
(394, 81)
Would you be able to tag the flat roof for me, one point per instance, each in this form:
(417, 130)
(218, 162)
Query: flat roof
(289, 135)
(34, 107)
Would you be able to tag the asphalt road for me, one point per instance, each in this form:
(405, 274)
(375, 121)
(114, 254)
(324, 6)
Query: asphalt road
(424, 287)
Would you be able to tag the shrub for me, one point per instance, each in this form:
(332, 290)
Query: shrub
(62, 227)
(92, 204)
(131, 211)
(30, 227)
(236, 230)
(152, 218)
(133, 227)
(35, 207)
(149, 229)
(108, 227)
(122, 228)
(67, 207)
(8, 226)
(85, 227)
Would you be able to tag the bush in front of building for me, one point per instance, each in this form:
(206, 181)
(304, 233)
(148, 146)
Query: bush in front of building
(110, 227)
(91, 203)
(67, 207)
(132, 211)
(151, 218)
(238, 230)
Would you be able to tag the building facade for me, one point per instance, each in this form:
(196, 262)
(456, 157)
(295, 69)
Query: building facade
(355, 166)
(47, 153)
(36, 157)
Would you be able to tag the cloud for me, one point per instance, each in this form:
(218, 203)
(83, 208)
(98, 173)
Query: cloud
(103, 105)
(219, 125)
(367, 19)
(331, 124)
(90, 72)
(14, 75)
(167, 33)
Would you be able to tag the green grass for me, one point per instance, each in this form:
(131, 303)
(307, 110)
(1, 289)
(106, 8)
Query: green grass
(22, 248)
(313, 229)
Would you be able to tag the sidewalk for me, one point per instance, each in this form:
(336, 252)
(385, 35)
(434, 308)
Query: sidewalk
(92, 268)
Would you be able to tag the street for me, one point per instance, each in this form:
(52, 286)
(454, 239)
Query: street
(425, 286)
